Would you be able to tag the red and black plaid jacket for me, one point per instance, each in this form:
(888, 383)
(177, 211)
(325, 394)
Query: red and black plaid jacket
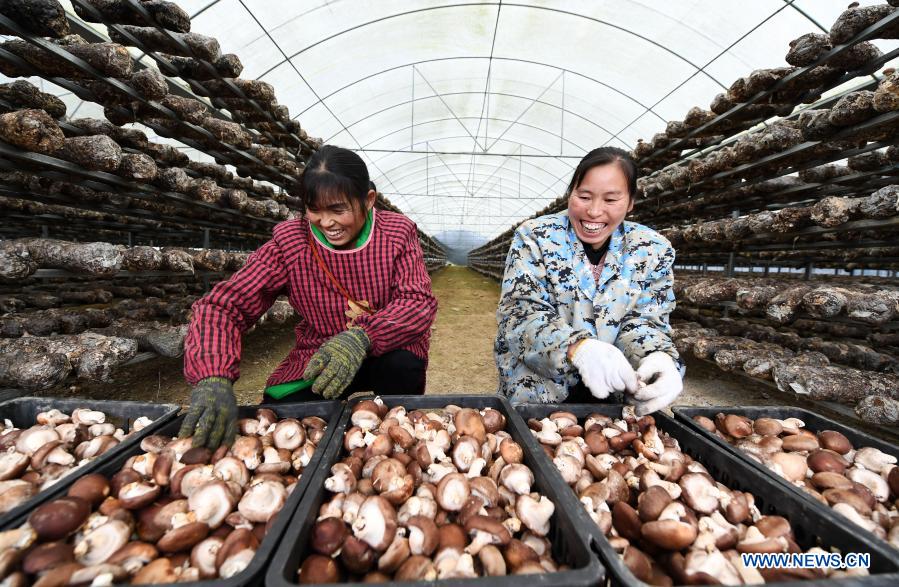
(388, 271)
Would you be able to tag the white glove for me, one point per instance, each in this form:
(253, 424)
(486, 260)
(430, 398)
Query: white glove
(660, 383)
(603, 368)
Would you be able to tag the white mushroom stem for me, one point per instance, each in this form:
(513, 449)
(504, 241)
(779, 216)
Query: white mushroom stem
(474, 470)
(850, 512)
(535, 514)
(480, 539)
(873, 459)
(513, 525)
(437, 471)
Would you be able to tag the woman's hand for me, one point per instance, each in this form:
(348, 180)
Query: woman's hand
(212, 417)
(661, 383)
(603, 368)
(335, 363)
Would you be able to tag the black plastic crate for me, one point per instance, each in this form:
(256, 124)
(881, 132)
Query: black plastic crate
(253, 574)
(569, 533)
(810, 527)
(23, 411)
(813, 422)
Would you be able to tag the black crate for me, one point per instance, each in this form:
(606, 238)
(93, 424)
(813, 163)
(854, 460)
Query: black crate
(814, 422)
(23, 411)
(810, 527)
(253, 574)
(569, 534)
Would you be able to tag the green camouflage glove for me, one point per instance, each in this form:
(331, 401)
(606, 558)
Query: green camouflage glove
(212, 417)
(336, 362)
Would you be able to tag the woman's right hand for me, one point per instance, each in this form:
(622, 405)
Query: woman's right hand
(212, 417)
(603, 368)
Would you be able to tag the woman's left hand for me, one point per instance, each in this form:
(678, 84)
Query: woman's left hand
(660, 383)
(335, 363)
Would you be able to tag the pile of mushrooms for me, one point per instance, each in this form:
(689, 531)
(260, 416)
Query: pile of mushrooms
(666, 516)
(861, 483)
(428, 494)
(172, 514)
(33, 459)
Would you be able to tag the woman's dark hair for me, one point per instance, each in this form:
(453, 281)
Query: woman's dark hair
(334, 174)
(604, 156)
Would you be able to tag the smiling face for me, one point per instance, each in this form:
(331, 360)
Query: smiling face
(339, 220)
(599, 204)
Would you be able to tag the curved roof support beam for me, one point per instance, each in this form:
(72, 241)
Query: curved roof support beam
(418, 159)
(511, 59)
(417, 183)
(503, 94)
(433, 121)
(599, 21)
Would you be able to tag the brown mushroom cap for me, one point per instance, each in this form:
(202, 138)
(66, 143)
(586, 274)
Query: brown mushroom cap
(626, 521)
(494, 420)
(469, 422)
(318, 569)
(48, 556)
(97, 545)
(670, 534)
(767, 426)
(92, 488)
(159, 571)
(183, 537)
(133, 556)
(798, 442)
(139, 494)
(12, 465)
(518, 554)
(737, 426)
(423, 535)
(375, 522)
(453, 491)
(357, 556)
(651, 503)
(835, 441)
(328, 536)
(416, 568)
(826, 460)
(203, 556)
(59, 518)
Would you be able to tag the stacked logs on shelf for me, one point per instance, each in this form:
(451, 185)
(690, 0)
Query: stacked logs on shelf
(91, 146)
(434, 253)
(171, 513)
(112, 61)
(788, 301)
(666, 515)
(201, 63)
(806, 87)
(876, 167)
(39, 350)
(786, 225)
(858, 482)
(812, 125)
(766, 353)
(22, 257)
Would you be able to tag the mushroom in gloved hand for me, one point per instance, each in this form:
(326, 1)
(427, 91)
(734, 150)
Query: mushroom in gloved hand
(659, 383)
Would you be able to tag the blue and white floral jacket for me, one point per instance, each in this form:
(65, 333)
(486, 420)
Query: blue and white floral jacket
(550, 300)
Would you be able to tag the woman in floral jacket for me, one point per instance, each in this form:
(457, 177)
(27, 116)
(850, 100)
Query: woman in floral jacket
(586, 298)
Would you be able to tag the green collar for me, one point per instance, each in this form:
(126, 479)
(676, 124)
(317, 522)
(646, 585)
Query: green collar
(360, 240)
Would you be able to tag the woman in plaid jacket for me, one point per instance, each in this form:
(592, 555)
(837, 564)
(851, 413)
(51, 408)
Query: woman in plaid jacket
(357, 279)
